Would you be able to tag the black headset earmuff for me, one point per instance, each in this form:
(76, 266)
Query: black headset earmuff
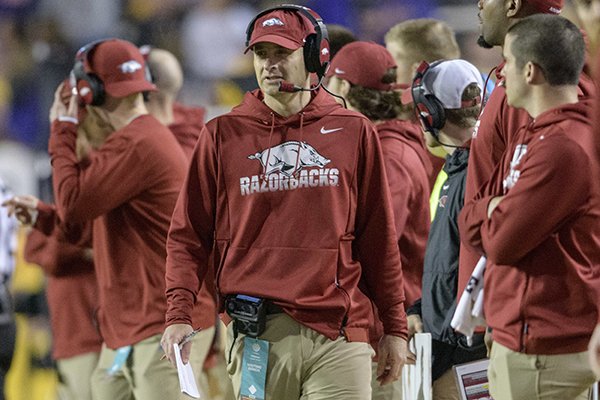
(90, 87)
(428, 108)
(316, 46)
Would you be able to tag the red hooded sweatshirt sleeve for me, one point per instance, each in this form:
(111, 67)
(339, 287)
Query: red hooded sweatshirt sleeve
(295, 210)
(542, 235)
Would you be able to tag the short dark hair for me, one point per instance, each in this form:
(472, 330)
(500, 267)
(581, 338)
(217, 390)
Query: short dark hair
(376, 104)
(339, 36)
(553, 43)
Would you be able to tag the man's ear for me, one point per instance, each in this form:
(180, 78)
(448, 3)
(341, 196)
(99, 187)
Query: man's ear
(534, 75)
(513, 7)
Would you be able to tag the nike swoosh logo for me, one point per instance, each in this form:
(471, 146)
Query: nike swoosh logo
(445, 187)
(326, 131)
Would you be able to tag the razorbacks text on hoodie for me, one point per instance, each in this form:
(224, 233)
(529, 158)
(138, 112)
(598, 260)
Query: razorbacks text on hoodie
(285, 168)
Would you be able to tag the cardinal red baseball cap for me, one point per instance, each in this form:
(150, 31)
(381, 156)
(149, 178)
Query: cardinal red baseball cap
(547, 6)
(120, 66)
(285, 28)
(363, 64)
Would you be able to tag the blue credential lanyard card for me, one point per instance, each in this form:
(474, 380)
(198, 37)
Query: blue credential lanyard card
(120, 359)
(254, 369)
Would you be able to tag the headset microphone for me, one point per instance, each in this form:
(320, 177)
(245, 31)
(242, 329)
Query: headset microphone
(289, 87)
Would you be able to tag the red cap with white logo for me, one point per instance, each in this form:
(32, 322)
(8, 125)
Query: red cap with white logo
(283, 27)
(121, 67)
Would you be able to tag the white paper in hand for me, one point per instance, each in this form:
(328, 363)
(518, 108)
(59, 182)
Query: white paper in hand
(186, 375)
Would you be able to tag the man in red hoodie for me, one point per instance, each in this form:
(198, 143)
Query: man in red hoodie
(128, 187)
(364, 74)
(286, 198)
(538, 222)
(499, 122)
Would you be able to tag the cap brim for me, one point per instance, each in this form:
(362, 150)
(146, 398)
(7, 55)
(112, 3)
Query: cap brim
(406, 96)
(276, 39)
(123, 89)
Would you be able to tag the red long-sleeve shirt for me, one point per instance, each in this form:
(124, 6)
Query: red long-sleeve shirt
(128, 187)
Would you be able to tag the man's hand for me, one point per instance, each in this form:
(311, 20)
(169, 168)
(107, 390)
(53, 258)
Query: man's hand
(174, 334)
(59, 109)
(415, 325)
(594, 351)
(24, 208)
(494, 202)
(393, 354)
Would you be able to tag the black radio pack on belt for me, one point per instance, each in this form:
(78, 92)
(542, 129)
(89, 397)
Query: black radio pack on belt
(249, 314)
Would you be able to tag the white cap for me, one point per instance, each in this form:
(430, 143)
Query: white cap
(447, 81)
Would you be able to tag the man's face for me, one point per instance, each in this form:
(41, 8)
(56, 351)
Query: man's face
(493, 22)
(273, 64)
(514, 76)
(406, 68)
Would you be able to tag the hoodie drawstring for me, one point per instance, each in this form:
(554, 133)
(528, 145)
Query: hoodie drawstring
(299, 143)
(265, 178)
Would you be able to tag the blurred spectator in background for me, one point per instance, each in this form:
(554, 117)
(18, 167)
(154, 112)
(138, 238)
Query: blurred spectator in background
(212, 42)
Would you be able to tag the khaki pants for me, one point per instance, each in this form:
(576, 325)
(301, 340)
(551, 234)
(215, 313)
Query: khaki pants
(201, 344)
(518, 376)
(303, 364)
(143, 377)
(76, 376)
(391, 391)
(445, 388)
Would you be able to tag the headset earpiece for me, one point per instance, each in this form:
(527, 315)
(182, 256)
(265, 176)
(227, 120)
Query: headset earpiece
(316, 46)
(428, 108)
(90, 87)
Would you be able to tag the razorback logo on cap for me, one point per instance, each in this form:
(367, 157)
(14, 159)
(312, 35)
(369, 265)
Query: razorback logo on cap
(272, 22)
(129, 67)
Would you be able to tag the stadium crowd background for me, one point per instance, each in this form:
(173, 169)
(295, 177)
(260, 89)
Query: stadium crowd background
(38, 39)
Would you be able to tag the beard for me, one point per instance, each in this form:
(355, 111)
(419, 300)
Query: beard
(483, 43)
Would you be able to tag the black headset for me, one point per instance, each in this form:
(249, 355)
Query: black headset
(429, 109)
(90, 87)
(316, 46)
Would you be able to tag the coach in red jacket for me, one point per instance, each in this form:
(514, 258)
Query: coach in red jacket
(538, 222)
(287, 197)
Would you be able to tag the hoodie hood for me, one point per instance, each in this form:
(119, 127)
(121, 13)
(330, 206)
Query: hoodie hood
(253, 106)
(580, 112)
(408, 132)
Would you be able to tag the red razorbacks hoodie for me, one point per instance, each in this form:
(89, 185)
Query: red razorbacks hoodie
(543, 237)
(495, 128)
(293, 209)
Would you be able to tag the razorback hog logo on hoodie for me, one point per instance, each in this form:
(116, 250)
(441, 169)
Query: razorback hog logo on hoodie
(285, 167)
